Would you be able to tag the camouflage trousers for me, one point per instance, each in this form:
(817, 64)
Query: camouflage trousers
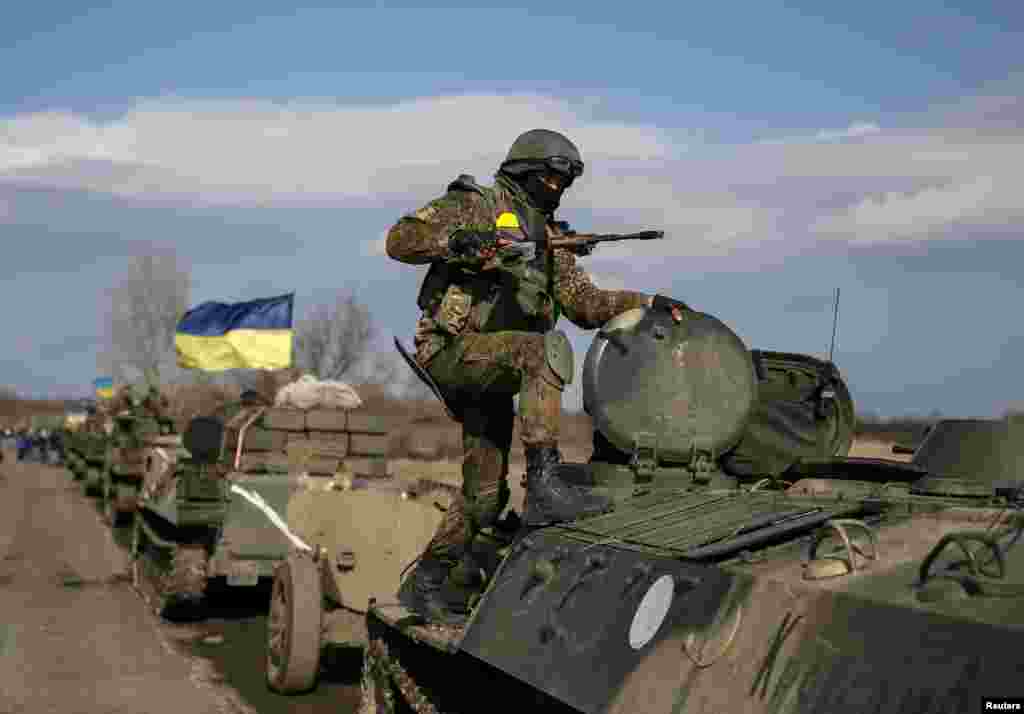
(481, 373)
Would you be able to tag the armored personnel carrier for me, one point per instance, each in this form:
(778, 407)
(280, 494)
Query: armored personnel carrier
(750, 564)
(230, 502)
(128, 454)
(86, 451)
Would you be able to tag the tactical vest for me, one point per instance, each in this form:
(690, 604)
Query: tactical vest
(518, 295)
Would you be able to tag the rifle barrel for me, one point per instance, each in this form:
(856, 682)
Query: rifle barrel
(584, 238)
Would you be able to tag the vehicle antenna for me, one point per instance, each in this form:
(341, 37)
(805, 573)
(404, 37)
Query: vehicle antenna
(835, 323)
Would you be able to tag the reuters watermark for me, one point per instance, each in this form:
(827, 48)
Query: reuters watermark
(1002, 704)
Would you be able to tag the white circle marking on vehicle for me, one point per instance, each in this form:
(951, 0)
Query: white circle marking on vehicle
(651, 612)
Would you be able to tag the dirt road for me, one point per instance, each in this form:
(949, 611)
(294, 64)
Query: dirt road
(75, 638)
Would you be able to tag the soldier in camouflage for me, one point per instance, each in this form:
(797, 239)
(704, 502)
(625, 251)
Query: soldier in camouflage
(486, 333)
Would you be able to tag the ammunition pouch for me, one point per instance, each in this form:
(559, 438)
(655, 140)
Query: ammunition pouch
(558, 353)
(455, 307)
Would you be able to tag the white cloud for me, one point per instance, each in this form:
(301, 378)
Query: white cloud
(896, 215)
(712, 200)
(257, 151)
(855, 130)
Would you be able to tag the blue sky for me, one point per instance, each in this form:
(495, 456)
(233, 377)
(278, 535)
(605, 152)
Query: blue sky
(787, 149)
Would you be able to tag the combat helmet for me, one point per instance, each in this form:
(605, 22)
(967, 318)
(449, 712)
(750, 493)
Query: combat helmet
(543, 148)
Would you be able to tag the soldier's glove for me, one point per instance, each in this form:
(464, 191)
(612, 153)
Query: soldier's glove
(674, 307)
(469, 244)
(667, 304)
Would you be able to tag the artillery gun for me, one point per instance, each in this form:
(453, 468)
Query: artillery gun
(223, 508)
(750, 564)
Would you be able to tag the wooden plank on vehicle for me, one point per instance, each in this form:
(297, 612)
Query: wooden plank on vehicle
(327, 420)
(361, 423)
(369, 444)
(280, 418)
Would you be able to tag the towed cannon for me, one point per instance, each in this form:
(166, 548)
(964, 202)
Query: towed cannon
(221, 510)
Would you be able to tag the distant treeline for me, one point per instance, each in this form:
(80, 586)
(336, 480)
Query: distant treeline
(896, 429)
(15, 412)
(190, 400)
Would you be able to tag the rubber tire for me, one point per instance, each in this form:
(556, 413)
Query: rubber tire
(297, 581)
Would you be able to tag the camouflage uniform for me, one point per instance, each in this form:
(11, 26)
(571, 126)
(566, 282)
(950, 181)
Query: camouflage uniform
(481, 335)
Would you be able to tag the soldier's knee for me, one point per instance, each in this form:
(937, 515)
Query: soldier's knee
(531, 355)
(535, 362)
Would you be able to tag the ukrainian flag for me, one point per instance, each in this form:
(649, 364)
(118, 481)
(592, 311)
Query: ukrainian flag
(104, 387)
(247, 335)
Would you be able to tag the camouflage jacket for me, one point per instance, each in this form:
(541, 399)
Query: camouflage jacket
(511, 292)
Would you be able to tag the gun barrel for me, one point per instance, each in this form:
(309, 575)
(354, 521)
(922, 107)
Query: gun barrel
(589, 239)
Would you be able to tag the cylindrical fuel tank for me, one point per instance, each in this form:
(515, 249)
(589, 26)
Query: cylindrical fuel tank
(684, 386)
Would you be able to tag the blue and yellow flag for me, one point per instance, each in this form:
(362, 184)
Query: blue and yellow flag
(246, 335)
(104, 387)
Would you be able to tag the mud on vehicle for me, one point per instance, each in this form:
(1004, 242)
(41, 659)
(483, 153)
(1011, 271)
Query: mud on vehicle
(750, 565)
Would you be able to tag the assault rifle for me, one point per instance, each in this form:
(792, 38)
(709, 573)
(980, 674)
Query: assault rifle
(580, 243)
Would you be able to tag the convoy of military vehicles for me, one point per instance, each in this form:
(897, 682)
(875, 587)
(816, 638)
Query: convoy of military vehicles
(749, 565)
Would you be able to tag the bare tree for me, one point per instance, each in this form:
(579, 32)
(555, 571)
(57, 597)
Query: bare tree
(145, 307)
(333, 338)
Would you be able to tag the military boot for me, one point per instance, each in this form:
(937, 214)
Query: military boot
(435, 595)
(551, 499)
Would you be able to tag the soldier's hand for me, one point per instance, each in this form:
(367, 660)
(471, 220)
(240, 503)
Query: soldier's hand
(669, 305)
(467, 243)
(480, 244)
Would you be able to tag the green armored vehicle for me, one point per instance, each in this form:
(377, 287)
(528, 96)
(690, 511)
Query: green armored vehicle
(235, 498)
(750, 565)
(137, 429)
(86, 451)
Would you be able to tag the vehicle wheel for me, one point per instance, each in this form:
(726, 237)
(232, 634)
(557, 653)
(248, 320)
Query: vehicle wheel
(294, 626)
